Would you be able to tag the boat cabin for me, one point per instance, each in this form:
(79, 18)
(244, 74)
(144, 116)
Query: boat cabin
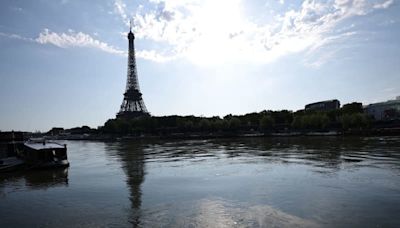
(49, 154)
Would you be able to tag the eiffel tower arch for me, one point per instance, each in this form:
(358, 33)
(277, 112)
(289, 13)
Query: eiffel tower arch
(132, 105)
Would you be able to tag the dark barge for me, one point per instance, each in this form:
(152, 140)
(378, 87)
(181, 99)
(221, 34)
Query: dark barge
(42, 154)
(16, 154)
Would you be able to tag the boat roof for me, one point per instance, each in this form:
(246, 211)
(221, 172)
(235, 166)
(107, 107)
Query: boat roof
(41, 146)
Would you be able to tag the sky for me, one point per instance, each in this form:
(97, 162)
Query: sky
(63, 63)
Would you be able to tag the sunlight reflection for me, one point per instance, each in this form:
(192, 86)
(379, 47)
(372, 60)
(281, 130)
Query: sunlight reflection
(221, 213)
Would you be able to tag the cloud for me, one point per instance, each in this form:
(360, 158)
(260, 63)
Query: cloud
(383, 5)
(209, 32)
(213, 32)
(154, 56)
(16, 36)
(390, 89)
(120, 9)
(68, 40)
(320, 53)
(75, 39)
(72, 39)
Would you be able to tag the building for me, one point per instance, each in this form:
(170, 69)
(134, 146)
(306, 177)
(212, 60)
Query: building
(132, 105)
(323, 105)
(388, 110)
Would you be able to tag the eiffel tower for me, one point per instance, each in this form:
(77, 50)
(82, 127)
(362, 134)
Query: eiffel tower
(132, 105)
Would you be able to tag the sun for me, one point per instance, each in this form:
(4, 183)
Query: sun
(219, 22)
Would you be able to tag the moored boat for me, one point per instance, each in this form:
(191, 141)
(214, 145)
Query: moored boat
(42, 154)
(17, 154)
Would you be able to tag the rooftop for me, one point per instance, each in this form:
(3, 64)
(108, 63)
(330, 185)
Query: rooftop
(43, 145)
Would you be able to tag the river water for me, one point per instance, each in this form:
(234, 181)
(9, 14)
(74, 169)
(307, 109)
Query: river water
(249, 182)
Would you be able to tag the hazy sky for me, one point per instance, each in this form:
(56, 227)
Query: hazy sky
(63, 63)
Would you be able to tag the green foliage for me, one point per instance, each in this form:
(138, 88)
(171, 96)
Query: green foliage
(204, 124)
(354, 121)
(297, 122)
(314, 121)
(266, 123)
(234, 123)
(311, 121)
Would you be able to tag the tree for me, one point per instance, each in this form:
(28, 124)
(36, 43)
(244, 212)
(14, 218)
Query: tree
(234, 123)
(266, 123)
(352, 108)
(355, 120)
(204, 125)
(297, 122)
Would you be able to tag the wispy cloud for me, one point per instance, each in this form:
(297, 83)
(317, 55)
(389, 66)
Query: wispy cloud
(67, 40)
(72, 39)
(212, 32)
(120, 9)
(320, 53)
(383, 5)
(75, 39)
(389, 89)
(154, 56)
(16, 36)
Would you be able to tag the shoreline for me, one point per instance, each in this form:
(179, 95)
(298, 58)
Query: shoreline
(197, 135)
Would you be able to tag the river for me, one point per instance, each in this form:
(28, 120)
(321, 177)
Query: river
(243, 182)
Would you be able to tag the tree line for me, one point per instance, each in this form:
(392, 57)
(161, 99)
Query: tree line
(350, 116)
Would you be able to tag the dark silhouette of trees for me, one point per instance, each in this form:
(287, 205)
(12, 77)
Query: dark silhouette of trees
(352, 108)
(349, 117)
(266, 123)
(354, 121)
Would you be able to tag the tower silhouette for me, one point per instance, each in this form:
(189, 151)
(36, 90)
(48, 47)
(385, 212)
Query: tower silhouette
(132, 105)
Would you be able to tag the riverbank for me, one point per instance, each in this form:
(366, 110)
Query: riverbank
(214, 135)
